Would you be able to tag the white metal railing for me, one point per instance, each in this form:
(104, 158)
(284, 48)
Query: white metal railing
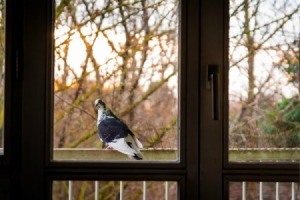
(96, 190)
(144, 194)
(293, 191)
(121, 191)
(277, 189)
(261, 191)
(144, 190)
(166, 190)
(70, 190)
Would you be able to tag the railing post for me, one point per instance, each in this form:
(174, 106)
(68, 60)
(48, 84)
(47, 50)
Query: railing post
(293, 190)
(244, 191)
(96, 190)
(121, 190)
(277, 190)
(261, 191)
(70, 190)
(144, 190)
(166, 190)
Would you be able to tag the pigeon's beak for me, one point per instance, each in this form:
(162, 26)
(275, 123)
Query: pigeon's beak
(97, 106)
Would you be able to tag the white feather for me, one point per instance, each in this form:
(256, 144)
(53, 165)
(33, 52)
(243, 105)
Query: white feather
(100, 115)
(122, 146)
(138, 143)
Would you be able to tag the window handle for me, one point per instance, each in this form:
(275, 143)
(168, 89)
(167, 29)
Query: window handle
(213, 84)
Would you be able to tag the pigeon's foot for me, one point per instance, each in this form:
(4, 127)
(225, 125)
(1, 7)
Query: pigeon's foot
(108, 148)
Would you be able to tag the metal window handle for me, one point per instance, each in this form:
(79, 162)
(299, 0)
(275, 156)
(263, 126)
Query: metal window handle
(213, 84)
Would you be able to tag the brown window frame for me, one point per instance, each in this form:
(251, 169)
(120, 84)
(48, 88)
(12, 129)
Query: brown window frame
(37, 95)
(203, 171)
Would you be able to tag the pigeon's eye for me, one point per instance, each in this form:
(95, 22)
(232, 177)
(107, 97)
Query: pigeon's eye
(97, 106)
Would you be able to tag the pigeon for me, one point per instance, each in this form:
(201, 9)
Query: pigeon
(115, 133)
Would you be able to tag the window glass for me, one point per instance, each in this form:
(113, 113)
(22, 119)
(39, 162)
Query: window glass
(264, 102)
(114, 190)
(126, 54)
(2, 72)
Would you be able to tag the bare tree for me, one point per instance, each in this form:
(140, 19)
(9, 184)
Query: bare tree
(141, 40)
(258, 28)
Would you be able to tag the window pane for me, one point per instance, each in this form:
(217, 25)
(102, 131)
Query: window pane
(264, 190)
(264, 103)
(114, 190)
(2, 72)
(126, 54)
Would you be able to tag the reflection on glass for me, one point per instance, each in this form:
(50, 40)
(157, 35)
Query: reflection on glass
(62, 190)
(125, 53)
(264, 190)
(264, 103)
(2, 71)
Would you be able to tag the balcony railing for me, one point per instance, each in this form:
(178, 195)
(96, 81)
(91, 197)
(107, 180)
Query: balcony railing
(235, 155)
(280, 191)
(121, 190)
(103, 154)
(264, 154)
(288, 190)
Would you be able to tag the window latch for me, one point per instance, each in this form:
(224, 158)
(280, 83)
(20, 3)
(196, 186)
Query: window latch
(213, 85)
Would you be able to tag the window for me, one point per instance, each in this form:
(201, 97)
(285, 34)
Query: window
(112, 50)
(264, 81)
(244, 146)
(211, 163)
(126, 54)
(29, 116)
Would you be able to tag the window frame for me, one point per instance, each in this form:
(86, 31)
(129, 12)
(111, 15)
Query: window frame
(216, 172)
(264, 171)
(182, 82)
(28, 111)
(225, 87)
(10, 161)
(12, 84)
(185, 172)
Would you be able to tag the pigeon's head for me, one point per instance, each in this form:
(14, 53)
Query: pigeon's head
(99, 104)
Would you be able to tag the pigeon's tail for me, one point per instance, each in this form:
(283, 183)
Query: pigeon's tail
(135, 147)
(138, 156)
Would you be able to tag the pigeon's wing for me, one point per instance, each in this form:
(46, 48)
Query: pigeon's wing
(111, 128)
(117, 135)
(127, 146)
